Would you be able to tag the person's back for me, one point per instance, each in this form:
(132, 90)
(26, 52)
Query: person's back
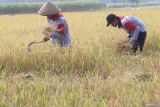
(134, 20)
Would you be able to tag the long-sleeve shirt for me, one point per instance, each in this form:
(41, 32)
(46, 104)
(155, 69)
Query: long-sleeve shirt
(62, 26)
(133, 26)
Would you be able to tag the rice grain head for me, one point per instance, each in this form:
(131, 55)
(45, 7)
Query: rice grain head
(48, 30)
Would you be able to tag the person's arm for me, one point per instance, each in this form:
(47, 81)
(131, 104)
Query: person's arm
(133, 27)
(61, 29)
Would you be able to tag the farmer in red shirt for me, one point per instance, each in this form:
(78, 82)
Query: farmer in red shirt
(133, 26)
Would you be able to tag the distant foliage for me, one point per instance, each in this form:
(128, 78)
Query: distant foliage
(22, 1)
(19, 8)
(34, 7)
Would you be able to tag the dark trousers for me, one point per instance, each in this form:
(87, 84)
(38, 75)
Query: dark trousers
(140, 41)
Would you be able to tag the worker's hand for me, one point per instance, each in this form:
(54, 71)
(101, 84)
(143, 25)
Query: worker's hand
(46, 38)
(133, 43)
(129, 36)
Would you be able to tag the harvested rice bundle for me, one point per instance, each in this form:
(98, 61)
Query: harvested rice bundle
(48, 30)
(123, 46)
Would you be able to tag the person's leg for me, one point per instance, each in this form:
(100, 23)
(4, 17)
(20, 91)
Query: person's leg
(63, 41)
(53, 42)
(66, 41)
(141, 40)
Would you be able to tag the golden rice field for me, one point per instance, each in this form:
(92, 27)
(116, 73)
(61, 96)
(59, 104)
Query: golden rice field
(90, 74)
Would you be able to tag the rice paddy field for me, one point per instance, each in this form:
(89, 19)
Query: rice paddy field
(90, 74)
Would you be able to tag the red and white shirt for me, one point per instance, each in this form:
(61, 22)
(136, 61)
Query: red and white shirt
(63, 34)
(133, 26)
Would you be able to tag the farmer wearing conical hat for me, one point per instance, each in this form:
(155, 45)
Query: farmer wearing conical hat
(133, 26)
(57, 20)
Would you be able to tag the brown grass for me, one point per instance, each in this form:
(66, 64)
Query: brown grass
(123, 46)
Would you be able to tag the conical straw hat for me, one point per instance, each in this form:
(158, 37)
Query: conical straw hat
(49, 8)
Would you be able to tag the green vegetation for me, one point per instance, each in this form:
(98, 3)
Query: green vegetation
(69, 6)
(34, 7)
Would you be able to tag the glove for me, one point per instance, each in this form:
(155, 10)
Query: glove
(46, 38)
(133, 43)
(129, 36)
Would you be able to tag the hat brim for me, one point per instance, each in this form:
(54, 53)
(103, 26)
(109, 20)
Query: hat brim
(45, 13)
(42, 14)
(49, 8)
